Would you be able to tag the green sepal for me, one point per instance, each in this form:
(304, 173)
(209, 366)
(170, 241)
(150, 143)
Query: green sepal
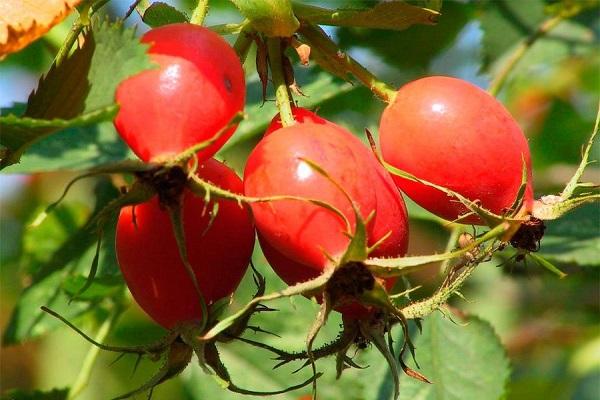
(554, 207)
(389, 267)
(221, 375)
(486, 216)
(177, 226)
(357, 249)
(309, 288)
(274, 18)
(547, 264)
(518, 203)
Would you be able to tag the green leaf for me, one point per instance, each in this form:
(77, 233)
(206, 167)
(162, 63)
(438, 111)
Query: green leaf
(18, 133)
(159, 14)
(505, 23)
(574, 239)
(83, 83)
(414, 49)
(40, 242)
(271, 17)
(101, 287)
(19, 394)
(70, 252)
(391, 15)
(464, 360)
(74, 149)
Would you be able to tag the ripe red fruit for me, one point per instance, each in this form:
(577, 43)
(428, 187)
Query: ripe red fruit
(149, 258)
(187, 100)
(300, 115)
(295, 235)
(450, 132)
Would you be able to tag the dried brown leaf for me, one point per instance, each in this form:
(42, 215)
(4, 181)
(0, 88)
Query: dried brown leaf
(23, 21)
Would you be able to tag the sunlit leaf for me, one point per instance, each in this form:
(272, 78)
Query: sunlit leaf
(464, 361)
(83, 83)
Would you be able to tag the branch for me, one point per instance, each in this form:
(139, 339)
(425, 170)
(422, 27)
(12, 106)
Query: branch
(199, 12)
(281, 90)
(520, 51)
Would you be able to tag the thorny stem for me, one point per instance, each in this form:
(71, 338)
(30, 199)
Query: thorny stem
(425, 307)
(316, 37)
(452, 239)
(520, 51)
(281, 90)
(86, 369)
(199, 12)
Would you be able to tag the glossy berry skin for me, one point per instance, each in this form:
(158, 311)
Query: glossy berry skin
(300, 114)
(452, 133)
(295, 235)
(187, 100)
(149, 258)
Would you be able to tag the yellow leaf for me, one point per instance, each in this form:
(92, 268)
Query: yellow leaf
(23, 21)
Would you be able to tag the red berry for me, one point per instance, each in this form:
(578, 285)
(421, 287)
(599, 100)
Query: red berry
(300, 115)
(149, 258)
(295, 235)
(450, 132)
(187, 100)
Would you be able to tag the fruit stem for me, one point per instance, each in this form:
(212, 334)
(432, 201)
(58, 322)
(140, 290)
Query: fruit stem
(242, 44)
(199, 12)
(281, 89)
(318, 39)
(452, 240)
(85, 372)
(520, 51)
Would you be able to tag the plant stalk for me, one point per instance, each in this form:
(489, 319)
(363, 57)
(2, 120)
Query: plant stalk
(316, 37)
(200, 12)
(281, 90)
(242, 44)
(498, 82)
(83, 378)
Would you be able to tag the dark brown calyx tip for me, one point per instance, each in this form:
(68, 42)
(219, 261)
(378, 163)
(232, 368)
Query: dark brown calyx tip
(529, 235)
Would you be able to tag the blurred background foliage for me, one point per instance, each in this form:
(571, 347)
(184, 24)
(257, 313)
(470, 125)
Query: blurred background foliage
(550, 327)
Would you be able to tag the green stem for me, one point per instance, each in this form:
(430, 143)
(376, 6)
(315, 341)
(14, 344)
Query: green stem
(200, 12)
(454, 234)
(281, 90)
(520, 51)
(86, 369)
(317, 38)
(66, 46)
(242, 45)
(425, 307)
(81, 22)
